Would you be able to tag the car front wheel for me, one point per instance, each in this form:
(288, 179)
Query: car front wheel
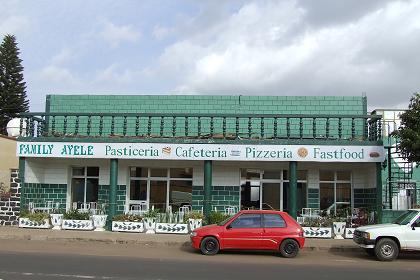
(386, 249)
(289, 248)
(209, 246)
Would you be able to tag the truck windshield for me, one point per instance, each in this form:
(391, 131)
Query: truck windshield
(405, 218)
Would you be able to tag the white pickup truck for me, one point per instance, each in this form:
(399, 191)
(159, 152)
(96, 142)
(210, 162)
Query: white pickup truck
(385, 241)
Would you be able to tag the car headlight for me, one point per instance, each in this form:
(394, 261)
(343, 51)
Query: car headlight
(366, 235)
(193, 234)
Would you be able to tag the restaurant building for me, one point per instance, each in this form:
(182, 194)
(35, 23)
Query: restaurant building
(210, 152)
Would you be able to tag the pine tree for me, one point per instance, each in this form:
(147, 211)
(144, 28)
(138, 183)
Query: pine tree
(13, 98)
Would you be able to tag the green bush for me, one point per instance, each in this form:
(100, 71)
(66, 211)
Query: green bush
(193, 215)
(151, 214)
(76, 215)
(217, 217)
(127, 218)
(38, 217)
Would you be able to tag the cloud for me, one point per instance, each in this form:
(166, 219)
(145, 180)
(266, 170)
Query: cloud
(278, 48)
(58, 75)
(64, 56)
(115, 35)
(118, 75)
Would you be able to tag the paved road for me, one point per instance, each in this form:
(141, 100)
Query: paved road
(62, 261)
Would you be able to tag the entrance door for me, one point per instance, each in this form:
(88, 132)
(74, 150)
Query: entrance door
(261, 189)
(271, 196)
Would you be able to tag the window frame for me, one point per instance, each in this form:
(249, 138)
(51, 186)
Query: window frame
(335, 182)
(273, 214)
(85, 178)
(242, 215)
(149, 179)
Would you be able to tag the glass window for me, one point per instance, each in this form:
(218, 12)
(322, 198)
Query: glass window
(326, 175)
(78, 190)
(273, 221)
(271, 174)
(158, 195)
(181, 172)
(247, 221)
(326, 195)
(138, 190)
(180, 194)
(93, 171)
(343, 175)
(85, 188)
(343, 192)
(138, 172)
(405, 218)
(161, 172)
(301, 174)
(334, 191)
(78, 171)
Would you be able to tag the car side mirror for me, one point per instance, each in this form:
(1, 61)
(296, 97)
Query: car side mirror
(413, 226)
(229, 227)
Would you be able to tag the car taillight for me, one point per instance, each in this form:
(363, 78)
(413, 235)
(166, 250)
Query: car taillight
(300, 232)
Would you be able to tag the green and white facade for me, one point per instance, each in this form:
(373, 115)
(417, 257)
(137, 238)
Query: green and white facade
(211, 152)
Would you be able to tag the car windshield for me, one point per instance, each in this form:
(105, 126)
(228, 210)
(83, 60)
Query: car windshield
(224, 222)
(405, 218)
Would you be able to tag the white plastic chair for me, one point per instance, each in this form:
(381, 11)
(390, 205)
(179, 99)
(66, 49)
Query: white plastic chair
(230, 210)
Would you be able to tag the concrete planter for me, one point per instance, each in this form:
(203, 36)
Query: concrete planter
(127, 226)
(339, 228)
(26, 223)
(349, 233)
(149, 225)
(56, 221)
(317, 232)
(171, 228)
(99, 222)
(194, 223)
(78, 224)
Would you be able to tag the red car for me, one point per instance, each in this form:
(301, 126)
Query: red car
(252, 230)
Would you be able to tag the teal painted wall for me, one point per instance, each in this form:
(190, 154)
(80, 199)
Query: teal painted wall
(313, 198)
(40, 193)
(103, 197)
(355, 105)
(221, 196)
(207, 104)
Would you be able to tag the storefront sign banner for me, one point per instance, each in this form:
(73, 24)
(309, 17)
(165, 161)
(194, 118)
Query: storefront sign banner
(202, 152)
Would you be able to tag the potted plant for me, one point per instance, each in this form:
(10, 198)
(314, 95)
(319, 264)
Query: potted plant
(195, 219)
(99, 218)
(34, 220)
(171, 223)
(74, 219)
(317, 227)
(127, 223)
(339, 222)
(56, 219)
(149, 219)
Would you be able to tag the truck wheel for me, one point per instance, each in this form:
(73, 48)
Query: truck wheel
(386, 249)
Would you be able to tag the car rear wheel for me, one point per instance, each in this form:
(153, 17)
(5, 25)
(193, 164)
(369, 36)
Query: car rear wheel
(209, 246)
(386, 249)
(289, 248)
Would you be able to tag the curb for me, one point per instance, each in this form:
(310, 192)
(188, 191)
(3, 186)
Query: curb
(148, 243)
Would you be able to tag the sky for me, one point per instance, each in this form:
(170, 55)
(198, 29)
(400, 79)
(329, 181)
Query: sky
(288, 47)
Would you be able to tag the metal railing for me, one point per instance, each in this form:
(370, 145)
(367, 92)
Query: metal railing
(201, 126)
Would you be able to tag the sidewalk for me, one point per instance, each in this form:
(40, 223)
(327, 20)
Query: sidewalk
(141, 239)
